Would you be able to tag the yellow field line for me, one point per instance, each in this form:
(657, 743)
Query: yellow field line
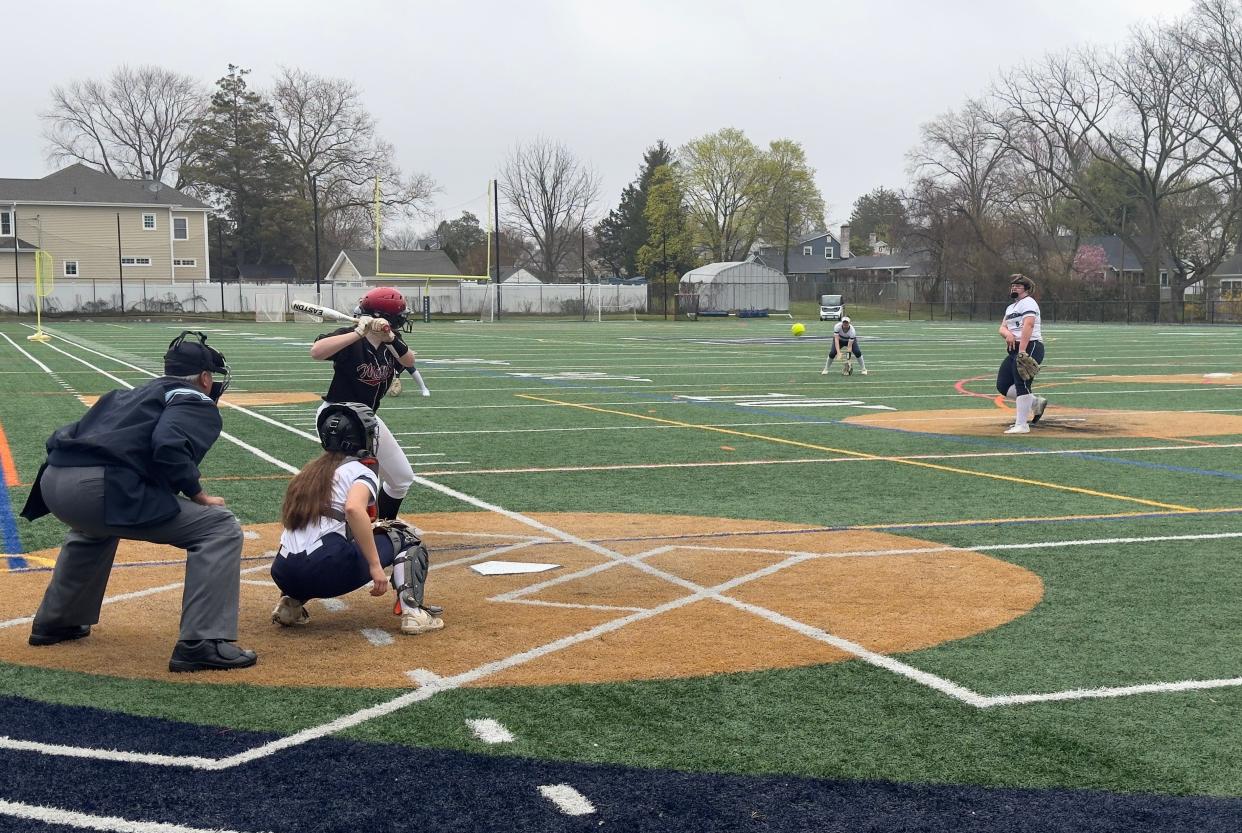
(863, 455)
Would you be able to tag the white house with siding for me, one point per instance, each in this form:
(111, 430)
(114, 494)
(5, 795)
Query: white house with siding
(98, 227)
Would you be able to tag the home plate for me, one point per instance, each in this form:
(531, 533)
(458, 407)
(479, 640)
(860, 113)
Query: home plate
(510, 568)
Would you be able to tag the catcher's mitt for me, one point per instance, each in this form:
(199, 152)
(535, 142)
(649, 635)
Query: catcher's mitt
(1028, 368)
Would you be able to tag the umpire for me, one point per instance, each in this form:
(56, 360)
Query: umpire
(121, 472)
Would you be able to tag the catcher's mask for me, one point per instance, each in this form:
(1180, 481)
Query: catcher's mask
(388, 303)
(190, 357)
(348, 428)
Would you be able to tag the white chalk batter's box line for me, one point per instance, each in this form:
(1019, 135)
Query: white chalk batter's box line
(434, 684)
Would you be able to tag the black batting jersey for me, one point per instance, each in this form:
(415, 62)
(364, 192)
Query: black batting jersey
(362, 373)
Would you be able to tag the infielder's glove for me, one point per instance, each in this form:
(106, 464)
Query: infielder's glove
(1028, 368)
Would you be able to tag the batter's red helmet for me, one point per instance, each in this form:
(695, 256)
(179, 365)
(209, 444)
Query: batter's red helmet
(385, 302)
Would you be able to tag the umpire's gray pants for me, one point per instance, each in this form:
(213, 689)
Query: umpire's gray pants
(210, 535)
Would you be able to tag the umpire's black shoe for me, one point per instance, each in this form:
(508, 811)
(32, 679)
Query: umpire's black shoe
(209, 655)
(50, 636)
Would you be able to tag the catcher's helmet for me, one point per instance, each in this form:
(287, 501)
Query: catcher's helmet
(189, 358)
(385, 302)
(348, 428)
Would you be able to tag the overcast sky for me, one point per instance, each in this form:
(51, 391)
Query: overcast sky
(455, 85)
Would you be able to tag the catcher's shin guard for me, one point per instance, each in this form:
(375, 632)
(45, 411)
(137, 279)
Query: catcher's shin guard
(409, 568)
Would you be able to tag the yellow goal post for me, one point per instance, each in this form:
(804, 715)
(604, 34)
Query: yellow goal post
(45, 281)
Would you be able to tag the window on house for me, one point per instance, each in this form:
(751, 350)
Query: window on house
(135, 261)
(806, 251)
(6, 224)
(184, 261)
(181, 228)
(1164, 278)
(829, 252)
(148, 222)
(71, 268)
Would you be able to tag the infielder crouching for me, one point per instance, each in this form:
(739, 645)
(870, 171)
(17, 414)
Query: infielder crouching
(844, 340)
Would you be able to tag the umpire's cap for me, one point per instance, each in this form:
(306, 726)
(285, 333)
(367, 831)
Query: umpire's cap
(187, 358)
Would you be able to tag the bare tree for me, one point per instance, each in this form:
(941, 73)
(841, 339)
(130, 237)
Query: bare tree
(328, 134)
(136, 124)
(1131, 111)
(550, 194)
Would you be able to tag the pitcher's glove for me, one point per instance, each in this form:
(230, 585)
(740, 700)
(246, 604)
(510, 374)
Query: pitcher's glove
(1028, 368)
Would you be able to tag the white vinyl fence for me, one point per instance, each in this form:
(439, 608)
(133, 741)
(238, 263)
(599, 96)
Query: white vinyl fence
(189, 297)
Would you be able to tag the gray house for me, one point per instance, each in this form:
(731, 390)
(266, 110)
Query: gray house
(810, 256)
(396, 267)
(1228, 277)
(94, 225)
(1123, 260)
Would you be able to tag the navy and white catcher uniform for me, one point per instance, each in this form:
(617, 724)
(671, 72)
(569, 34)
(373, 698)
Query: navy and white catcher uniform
(329, 546)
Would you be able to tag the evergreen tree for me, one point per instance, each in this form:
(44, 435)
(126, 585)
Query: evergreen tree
(624, 231)
(668, 251)
(236, 163)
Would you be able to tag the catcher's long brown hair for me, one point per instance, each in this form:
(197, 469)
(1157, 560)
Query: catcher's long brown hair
(310, 490)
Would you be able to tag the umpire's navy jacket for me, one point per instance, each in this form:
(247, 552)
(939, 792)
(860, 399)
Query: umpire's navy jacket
(149, 440)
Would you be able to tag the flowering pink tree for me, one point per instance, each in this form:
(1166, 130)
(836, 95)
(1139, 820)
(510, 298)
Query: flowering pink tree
(1091, 265)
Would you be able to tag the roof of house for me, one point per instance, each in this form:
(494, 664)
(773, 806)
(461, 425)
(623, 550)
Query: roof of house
(402, 262)
(22, 245)
(1120, 256)
(283, 272)
(80, 184)
(519, 275)
(1230, 268)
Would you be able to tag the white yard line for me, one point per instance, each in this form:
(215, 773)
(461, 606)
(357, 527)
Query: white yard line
(568, 800)
(490, 731)
(1119, 691)
(87, 821)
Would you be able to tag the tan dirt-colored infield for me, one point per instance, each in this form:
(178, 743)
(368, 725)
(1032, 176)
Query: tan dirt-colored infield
(1060, 422)
(250, 399)
(887, 603)
(1175, 378)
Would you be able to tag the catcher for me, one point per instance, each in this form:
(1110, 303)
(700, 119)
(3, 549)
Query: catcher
(329, 546)
(1024, 354)
(845, 341)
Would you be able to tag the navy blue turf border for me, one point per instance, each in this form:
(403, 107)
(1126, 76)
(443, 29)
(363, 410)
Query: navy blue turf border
(338, 785)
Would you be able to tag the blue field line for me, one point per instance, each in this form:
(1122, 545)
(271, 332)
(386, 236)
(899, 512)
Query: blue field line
(8, 528)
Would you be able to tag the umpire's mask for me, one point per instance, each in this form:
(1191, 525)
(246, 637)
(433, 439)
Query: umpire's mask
(187, 358)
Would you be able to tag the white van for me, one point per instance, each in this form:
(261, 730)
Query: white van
(831, 308)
